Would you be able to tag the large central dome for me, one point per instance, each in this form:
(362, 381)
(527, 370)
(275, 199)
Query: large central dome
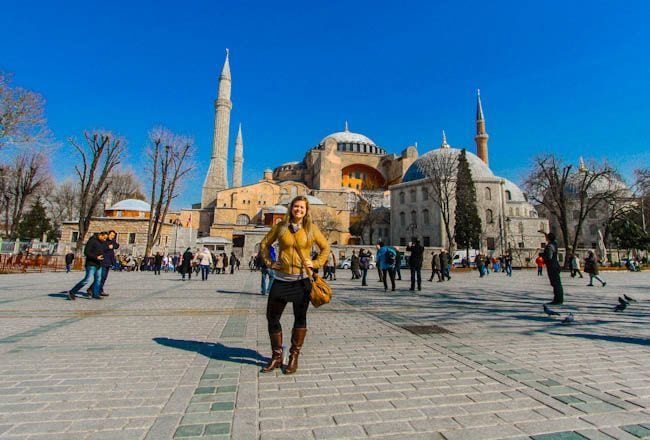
(352, 142)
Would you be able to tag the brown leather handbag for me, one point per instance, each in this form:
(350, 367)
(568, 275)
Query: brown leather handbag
(320, 292)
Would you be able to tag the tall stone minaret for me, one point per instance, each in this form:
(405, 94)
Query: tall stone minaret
(481, 137)
(238, 161)
(217, 177)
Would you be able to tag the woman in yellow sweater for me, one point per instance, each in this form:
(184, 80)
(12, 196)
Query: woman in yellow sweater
(295, 234)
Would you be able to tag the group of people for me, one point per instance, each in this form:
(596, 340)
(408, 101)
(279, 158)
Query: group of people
(206, 262)
(440, 266)
(100, 257)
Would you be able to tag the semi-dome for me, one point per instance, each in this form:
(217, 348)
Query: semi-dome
(479, 169)
(131, 205)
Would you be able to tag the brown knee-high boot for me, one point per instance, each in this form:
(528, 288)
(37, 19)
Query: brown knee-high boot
(276, 353)
(297, 339)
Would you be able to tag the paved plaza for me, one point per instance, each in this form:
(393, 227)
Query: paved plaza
(466, 359)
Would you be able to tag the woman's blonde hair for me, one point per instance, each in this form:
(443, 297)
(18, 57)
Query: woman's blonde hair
(306, 220)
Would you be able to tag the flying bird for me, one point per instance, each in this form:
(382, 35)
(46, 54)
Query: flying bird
(550, 312)
(569, 319)
(620, 307)
(629, 298)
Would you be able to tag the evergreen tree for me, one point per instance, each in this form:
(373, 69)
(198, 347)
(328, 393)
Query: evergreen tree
(467, 230)
(35, 223)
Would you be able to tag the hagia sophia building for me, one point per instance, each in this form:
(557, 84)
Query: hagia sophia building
(335, 174)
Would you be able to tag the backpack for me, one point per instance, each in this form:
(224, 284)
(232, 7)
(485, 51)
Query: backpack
(390, 257)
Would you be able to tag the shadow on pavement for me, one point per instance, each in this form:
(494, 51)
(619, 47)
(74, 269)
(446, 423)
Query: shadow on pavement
(216, 351)
(610, 338)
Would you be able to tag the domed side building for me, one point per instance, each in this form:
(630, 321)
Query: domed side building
(508, 221)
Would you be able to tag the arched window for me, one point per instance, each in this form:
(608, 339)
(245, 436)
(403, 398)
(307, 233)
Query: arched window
(401, 197)
(510, 210)
(521, 227)
(518, 211)
(413, 195)
(402, 219)
(414, 217)
(243, 219)
(425, 217)
(488, 193)
(508, 195)
(489, 216)
(542, 226)
(425, 193)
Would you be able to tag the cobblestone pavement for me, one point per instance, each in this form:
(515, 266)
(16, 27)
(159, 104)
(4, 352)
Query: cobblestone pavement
(466, 359)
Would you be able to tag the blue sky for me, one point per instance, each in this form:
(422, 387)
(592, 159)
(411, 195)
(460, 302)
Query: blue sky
(570, 77)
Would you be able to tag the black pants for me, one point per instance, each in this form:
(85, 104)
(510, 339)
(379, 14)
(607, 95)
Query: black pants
(283, 292)
(556, 282)
(391, 274)
(416, 275)
(364, 274)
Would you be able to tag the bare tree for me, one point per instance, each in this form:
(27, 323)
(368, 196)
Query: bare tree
(61, 201)
(440, 170)
(642, 192)
(100, 154)
(22, 116)
(169, 158)
(126, 185)
(563, 191)
(21, 181)
(327, 223)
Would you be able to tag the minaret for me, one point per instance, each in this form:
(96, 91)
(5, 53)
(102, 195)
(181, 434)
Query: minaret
(238, 160)
(217, 177)
(481, 137)
(444, 140)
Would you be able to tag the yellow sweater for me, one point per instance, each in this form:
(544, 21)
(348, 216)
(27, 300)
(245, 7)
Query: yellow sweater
(289, 259)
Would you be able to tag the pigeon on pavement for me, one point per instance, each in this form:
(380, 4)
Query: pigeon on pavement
(622, 301)
(629, 298)
(550, 312)
(620, 307)
(569, 319)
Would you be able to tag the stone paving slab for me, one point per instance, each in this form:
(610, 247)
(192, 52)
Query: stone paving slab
(161, 358)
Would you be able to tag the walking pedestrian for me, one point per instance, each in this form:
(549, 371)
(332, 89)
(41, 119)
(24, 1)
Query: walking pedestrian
(575, 266)
(553, 268)
(109, 260)
(445, 265)
(157, 263)
(354, 266)
(233, 263)
(386, 260)
(94, 252)
(435, 266)
(186, 264)
(591, 267)
(415, 262)
(398, 263)
(69, 258)
(364, 265)
(205, 258)
(295, 234)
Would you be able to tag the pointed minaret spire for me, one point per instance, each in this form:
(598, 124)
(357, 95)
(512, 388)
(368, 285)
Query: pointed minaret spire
(238, 161)
(481, 137)
(444, 140)
(582, 167)
(347, 127)
(479, 106)
(217, 177)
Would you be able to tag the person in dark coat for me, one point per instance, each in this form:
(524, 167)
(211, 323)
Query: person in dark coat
(354, 266)
(157, 263)
(553, 268)
(233, 262)
(415, 262)
(364, 265)
(591, 267)
(94, 252)
(186, 264)
(435, 266)
(110, 244)
(69, 258)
